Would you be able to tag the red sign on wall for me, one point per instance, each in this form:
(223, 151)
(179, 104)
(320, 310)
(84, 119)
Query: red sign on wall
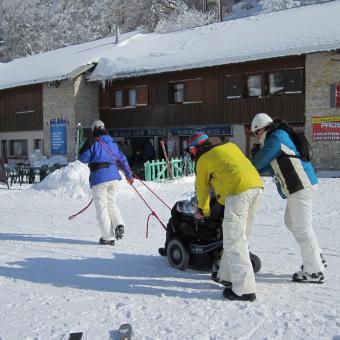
(326, 128)
(335, 95)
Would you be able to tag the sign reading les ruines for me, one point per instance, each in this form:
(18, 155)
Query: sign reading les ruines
(58, 136)
(150, 132)
(326, 128)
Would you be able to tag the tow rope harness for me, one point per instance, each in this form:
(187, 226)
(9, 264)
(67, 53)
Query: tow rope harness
(122, 166)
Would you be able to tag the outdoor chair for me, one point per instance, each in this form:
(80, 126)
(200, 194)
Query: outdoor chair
(14, 175)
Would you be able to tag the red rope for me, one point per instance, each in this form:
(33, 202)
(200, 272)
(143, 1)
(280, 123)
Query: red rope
(81, 211)
(134, 175)
(153, 213)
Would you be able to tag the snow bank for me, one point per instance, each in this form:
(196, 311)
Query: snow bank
(72, 181)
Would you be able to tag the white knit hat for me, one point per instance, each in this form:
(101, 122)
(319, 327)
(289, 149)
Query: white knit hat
(97, 124)
(260, 121)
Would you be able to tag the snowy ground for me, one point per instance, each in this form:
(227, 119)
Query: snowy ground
(56, 279)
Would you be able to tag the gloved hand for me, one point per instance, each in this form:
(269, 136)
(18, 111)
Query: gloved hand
(255, 149)
(198, 216)
(130, 180)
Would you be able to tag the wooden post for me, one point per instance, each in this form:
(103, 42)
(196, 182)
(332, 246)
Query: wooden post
(166, 158)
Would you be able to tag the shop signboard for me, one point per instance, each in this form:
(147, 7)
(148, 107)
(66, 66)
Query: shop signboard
(58, 129)
(223, 130)
(326, 128)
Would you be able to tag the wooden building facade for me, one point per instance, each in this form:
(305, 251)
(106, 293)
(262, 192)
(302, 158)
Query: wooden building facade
(21, 120)
(21, 108)
(218, 96)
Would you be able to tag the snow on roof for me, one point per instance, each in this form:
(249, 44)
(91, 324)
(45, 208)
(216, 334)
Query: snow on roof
(295, 31)
(55, 65)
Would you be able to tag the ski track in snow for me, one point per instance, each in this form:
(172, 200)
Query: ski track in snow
(55, 278)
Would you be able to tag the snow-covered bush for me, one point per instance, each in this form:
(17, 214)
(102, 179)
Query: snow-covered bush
(188, 18)
(276, 5)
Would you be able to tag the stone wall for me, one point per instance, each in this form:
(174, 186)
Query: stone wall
(86, 96)
(74, 101)
(322, 70)
(58, 102)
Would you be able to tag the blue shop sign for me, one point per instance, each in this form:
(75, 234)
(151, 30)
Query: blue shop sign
(58, 129)
(225, 130)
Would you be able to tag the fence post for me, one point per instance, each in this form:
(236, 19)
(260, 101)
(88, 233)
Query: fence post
(147, 168)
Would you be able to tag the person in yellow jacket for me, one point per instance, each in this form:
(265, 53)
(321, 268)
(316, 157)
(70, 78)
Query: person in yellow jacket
(237, 186)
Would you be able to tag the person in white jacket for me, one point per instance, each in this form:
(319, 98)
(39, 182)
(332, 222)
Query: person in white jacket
(297, 182)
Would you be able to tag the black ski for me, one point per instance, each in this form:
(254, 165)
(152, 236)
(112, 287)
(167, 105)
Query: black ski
(125, 331)
(76, 336)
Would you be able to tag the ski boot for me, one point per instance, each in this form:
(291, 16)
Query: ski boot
(119, 232)
(305, 277)
(107, 242)
(230, 295)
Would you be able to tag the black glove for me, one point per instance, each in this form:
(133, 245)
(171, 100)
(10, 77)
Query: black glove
(255, 149)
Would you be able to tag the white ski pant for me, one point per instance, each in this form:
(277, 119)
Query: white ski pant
(108, 214)
(298, 219)
(235, 265)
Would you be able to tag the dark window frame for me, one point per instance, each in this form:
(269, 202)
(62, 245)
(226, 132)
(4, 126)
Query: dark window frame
(293, 78)
(234, 86)
(190, 94)
(290, 75)
(141, 97)
(24, 103)
(24, 147)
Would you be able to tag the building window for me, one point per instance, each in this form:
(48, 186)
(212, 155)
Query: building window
(118, 98)
(233, 86)
(178, 93)
(188, 91)
(254, 87)
(294, 80)
(132, 98)
(38, 144)
(276, 83)
(24, 103)
(286, 81)
(18, 147)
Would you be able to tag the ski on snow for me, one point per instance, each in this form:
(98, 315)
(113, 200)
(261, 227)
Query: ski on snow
(125, 331)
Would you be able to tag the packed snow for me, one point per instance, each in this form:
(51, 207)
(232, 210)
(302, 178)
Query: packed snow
(55, 278)
(295, 31)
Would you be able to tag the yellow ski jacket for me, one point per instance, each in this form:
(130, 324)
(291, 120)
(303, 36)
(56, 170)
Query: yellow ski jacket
(228, 171)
